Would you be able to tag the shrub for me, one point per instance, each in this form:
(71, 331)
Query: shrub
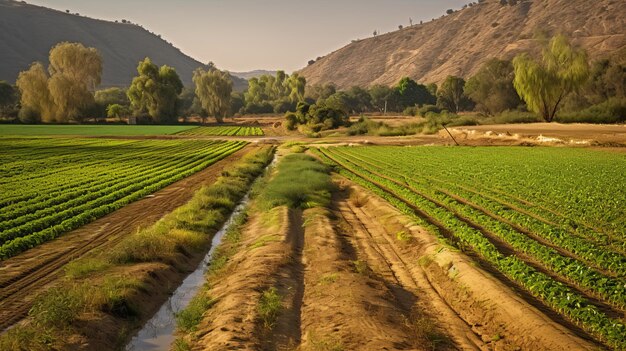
(189, 318)
(610, 111)
(424, 110)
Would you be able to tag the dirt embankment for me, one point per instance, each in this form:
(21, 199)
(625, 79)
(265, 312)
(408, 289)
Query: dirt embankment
(361, 276)
(24, 276)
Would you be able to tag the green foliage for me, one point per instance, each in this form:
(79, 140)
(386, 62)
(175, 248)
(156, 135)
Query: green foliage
(413, 94)
(111, 96)
(213, 88)
(269, 306)
(426, 184)
(544, 84)
(57, 307)
(53, 203)
(492, 87)
(451, 95)
(155, 91)
(300, 181)
(317, 117)
(188, 319)
(279, 94)
(117, 111)
(612, 110)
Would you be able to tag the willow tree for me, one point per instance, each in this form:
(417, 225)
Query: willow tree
(155, 91)
(37, 104)
(66, 91)
(297, 86)
(543, 84)
(213, 88)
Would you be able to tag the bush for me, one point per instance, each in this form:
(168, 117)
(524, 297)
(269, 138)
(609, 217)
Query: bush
(29, 115)
(610, 111)
(424, 110)
(411, 111)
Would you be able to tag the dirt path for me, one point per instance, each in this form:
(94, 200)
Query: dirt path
(24, 276)
(477, 309)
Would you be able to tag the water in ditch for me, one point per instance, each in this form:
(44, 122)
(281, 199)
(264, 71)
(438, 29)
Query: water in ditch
(158, 332)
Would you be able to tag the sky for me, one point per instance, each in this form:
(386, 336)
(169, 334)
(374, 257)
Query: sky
(244, 35)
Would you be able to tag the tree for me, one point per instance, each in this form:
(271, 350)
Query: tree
(412, 93)
(213, 88)
(544, 84)
(66, 93)
(492, 87)
(36, 101)
(155, 91)
(117, 111)
(384, 98)
(8, 98)
(451, 94)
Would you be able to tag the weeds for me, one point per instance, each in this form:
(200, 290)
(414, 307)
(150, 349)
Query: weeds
(329, 278)
(269, 307)
(301, 182)
(84, 267)
(188, 319)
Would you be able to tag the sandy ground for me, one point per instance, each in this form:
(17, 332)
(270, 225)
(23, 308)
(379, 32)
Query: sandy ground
(24, 276)
(362, 276)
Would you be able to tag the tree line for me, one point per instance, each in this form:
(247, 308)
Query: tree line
(65, 91)
(560, 84)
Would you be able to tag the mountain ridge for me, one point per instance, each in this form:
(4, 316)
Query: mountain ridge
(28, 32)
(459, 43)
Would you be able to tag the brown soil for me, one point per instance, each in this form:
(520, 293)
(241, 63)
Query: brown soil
(362, 276)
(24, 276)
(449, 280)
(546, 133)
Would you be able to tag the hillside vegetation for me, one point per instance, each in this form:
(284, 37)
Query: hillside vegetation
(460, 43)
(27, 33)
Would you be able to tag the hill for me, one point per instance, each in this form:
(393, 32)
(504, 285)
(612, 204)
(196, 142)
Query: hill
(27, 32)
(459, 43)
(253, 74)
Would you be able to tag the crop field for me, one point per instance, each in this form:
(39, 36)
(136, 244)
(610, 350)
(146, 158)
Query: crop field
(224, 131)
(89, 130)
(551, 220)
(51, 186)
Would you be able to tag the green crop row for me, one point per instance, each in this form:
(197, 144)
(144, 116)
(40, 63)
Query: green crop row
(119, 175)
(555, 294)
(224, 131)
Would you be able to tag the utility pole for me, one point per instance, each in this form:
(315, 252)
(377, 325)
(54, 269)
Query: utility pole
(411, 21)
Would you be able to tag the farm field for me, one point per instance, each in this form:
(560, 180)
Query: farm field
(551, 220)
(89, 130)
(223, 131)
(67, 183)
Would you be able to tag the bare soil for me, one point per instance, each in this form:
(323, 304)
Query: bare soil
(546, 133)
(24, 276)
(471, 302)
(362, 276)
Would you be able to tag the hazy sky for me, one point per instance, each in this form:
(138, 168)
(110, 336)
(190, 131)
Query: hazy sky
(242, 35)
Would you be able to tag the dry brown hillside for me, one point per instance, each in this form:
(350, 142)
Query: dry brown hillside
(460, 43)
(27, 32)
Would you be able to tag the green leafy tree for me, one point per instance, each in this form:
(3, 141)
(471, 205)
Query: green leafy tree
(155, 91)
(117, 111)
(384, 98)
(451, 94)
(213, 89)
(544, 83)
(492, 87)
(412, 94)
